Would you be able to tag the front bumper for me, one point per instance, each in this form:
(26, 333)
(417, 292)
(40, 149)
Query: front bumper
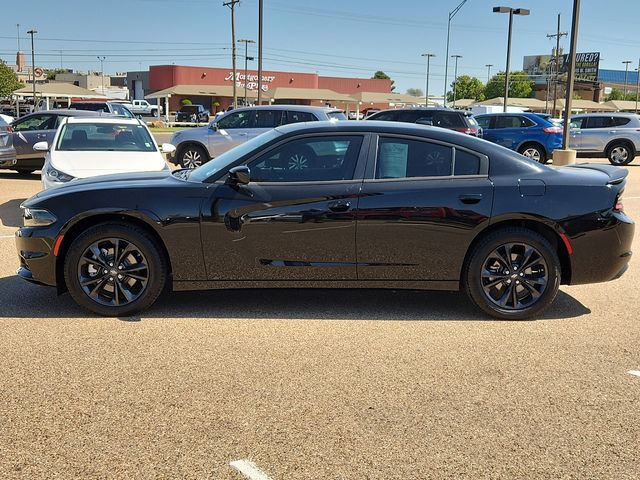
(35, 253)
(602, 254)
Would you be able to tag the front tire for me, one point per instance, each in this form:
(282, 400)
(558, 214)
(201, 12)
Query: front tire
(620, 153)
(512, 274)
(115, 269)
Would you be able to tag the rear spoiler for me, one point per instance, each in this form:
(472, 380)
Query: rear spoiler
(616, 174)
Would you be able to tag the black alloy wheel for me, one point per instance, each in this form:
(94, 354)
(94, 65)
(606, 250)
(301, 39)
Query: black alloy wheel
(512, 273)
(115, 269)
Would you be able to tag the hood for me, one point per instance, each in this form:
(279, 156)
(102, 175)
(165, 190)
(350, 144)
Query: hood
(91, 164)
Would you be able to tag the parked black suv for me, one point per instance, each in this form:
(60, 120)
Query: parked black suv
(457, 120)
(192, 113)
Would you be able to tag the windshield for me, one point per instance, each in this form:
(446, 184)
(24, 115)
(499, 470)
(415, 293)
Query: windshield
(336, 115)
(200, 174)
(112, 137)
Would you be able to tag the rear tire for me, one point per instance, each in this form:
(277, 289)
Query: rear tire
(620, 153)
(512, 274)
(192, 156)
(115, 269)
(534, 151)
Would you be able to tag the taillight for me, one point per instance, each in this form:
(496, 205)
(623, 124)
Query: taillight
(618, 206)
(552, 130)
(9, 129)
(468, 131)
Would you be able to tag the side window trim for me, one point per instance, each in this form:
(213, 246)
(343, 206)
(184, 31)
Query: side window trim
(370, 173)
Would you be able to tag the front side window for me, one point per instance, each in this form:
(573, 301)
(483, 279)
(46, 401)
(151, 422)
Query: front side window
(312, 159)
(105, 137)
(484, 122)
(242, 119)
(578, 122)
(513, 121)
(401, 158)
(35, 122)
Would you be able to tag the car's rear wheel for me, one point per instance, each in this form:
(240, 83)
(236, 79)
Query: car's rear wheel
(534, 152)
(115, 269)
(620, 153)
(192, 156)
(512, 273)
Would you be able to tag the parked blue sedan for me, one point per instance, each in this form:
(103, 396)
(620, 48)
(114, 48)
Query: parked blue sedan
(530, 134)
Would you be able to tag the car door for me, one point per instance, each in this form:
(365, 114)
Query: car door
(577, 134)
(486, 123)
(597, 133)
(295, 220)
(264, 121)
(422, 203)
(30, 130)
(230, 130)
(509, 131)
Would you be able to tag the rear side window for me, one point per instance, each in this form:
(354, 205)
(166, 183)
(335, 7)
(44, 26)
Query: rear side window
(466, 163)
(620, 121)
(402, 158)
(268, 118)
(298, 117)
(448, 120)
(599, 122)
(384, 116)
(416, 116)
(513, 121)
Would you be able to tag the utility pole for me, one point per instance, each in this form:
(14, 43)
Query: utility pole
(426, 91)
(488, 65)
(102, 59)
(232, 6)
(32, 32)
(260, 12)
(18, 37)
(556, 63)
(575, 21)
(452, 14)
(455, 79)
(637, 85)
(626, 73)
(246, 59)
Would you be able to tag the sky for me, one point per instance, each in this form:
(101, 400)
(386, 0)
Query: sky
(351, 38)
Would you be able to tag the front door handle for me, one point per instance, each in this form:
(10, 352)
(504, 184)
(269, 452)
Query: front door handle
(470, 198)
(339, 206)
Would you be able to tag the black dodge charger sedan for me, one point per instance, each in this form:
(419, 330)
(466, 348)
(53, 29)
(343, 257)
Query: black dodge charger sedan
(340, 205)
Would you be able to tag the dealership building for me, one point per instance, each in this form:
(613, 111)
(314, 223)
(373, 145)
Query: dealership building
(213, 88)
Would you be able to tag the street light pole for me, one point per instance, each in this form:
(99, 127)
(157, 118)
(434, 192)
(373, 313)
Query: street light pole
(511, 12)
(575, 21)
(426, 90)
(102, 59)
(32, 32)
(637, 85)
(455, 79)
(246, 59)
(232, 6)
(488, 65)
(452, 14)
(260, 19)
(626, 73)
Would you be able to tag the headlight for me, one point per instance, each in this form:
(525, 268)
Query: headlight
(56, 175)
(34, 217)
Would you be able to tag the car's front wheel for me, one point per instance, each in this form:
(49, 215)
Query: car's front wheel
(512, 273)
(115, 269)
(192, 156)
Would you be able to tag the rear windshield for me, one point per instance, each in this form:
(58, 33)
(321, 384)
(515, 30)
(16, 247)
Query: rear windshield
(94, 107)
(189, 109)
(106, 137)
(337, 115)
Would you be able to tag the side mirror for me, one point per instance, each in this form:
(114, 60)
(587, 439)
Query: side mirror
(167, 148)
(41, 147)
(240, 175)
(213, 126)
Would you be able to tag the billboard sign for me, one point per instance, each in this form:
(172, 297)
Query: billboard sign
(587, 65)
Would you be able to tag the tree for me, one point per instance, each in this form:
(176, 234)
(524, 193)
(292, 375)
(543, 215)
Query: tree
(51, 74)
(466, 86)
(8, 80)
(520, 85)
(415, 92)
(619, 95)
(380, 75)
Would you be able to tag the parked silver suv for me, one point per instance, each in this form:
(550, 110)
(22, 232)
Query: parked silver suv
(195, 146)
(7, 152)
(615, 136)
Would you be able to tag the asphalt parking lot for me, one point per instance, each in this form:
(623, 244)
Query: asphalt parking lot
(317, 384)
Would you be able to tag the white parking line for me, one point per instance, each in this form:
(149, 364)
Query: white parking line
(634, 372)
(629, 198)
(249, 470)
(7, 236)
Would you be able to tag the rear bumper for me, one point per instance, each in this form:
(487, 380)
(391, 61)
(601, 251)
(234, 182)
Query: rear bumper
(7, 159)
(602, 254)
(35, 253)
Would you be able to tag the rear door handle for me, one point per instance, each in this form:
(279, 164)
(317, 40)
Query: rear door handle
(339, 206)
(470, 198)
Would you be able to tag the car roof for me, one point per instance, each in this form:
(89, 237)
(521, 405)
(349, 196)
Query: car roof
(502, 114)
(300, 108)
(105, 119)
(607, 114)
(77, 113)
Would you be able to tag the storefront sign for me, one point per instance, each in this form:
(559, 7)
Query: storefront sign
(251, 80)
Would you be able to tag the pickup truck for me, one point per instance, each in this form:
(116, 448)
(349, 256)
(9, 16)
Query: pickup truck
(142, 107)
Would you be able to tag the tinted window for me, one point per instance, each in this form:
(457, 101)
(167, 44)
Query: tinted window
(105, 137)
(384, 116)
(484, 122)
(94, 107)
(268, 118)
(416, 116)
(400, 158)
(297, 117)
(312, 159)
(513, 121)
(35, 122)
(237, 120)
(336, 116)
(466, 163)
(448, 120)
(599, 122)
(620, 121)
